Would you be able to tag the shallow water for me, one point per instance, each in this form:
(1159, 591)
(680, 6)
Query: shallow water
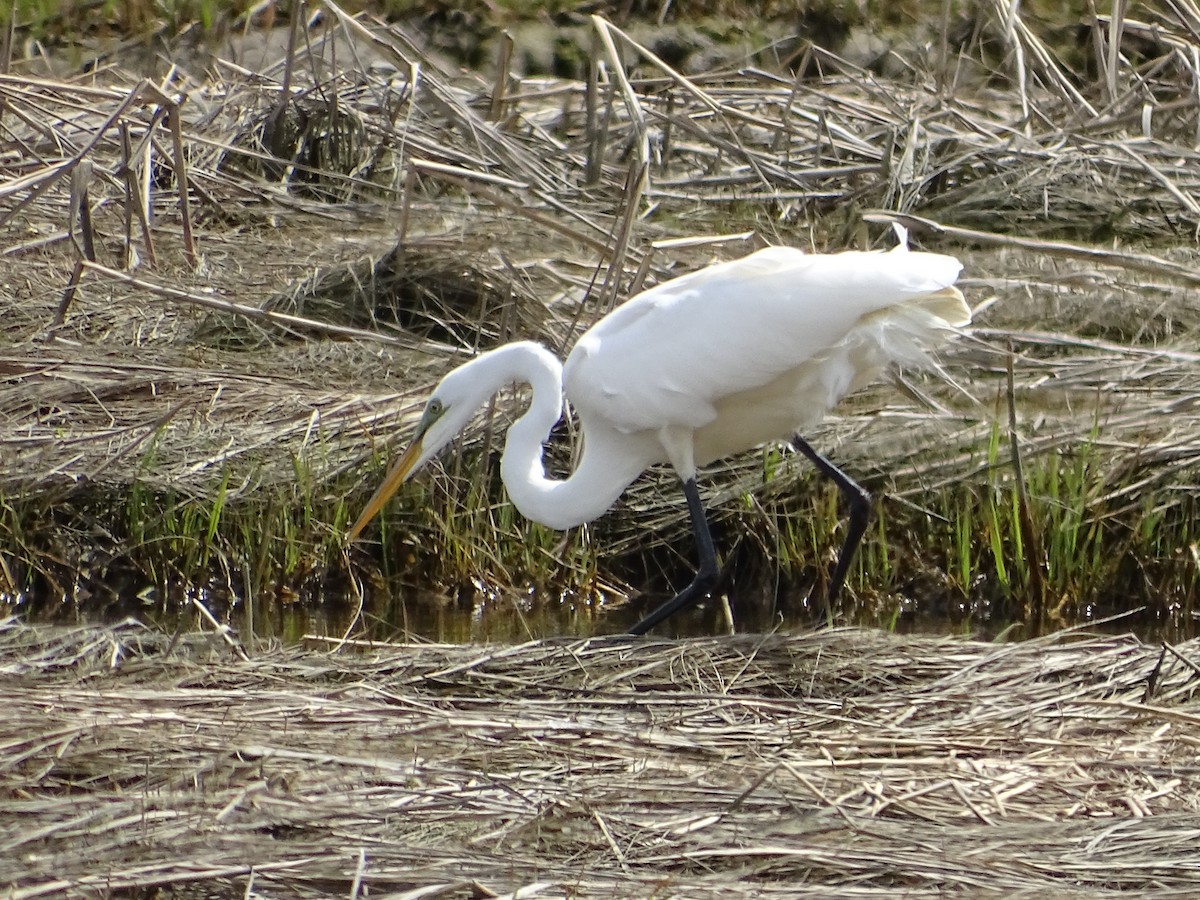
(494, 616)
(518, 618)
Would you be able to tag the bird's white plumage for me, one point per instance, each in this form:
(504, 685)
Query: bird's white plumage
(708, 364)
(754, 349)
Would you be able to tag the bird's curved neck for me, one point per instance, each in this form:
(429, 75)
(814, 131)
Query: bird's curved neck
(602, 473)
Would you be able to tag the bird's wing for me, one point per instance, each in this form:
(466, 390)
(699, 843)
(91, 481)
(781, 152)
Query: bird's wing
(667, 355)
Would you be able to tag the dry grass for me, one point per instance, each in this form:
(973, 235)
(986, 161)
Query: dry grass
(192, 387)
(846, 763)
(793, 151)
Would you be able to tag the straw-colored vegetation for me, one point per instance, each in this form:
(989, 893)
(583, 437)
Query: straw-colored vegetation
(228, 285)
(228, 288)
(839, 764)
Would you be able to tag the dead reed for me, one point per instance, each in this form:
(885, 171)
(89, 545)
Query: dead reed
(843, 763)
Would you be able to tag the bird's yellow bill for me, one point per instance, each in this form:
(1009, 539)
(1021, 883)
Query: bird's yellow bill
(395, 478)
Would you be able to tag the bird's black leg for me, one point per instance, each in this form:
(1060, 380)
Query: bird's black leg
(706, 575)
(860, 511)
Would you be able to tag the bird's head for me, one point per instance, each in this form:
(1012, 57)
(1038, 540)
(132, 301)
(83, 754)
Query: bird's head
(448, 411)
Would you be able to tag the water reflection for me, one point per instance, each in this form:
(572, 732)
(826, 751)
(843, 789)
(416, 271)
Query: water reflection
(498, 617)
(433, 617)
(429, 616)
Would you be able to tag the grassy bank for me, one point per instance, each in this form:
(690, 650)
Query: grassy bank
(202, 393)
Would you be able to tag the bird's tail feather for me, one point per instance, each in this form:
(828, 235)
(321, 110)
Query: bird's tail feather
(947, 304)
(906, 334)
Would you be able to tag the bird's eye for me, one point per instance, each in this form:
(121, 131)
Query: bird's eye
(435, 408)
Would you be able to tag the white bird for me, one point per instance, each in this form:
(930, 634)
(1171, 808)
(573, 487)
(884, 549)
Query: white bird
(706, 365)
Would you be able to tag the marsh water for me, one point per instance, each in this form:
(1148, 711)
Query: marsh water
(430, 615)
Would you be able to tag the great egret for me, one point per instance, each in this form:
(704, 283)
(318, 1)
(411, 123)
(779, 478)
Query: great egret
(697, 368)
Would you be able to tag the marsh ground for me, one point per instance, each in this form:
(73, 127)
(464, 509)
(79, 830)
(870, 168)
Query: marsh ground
(199, 388)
